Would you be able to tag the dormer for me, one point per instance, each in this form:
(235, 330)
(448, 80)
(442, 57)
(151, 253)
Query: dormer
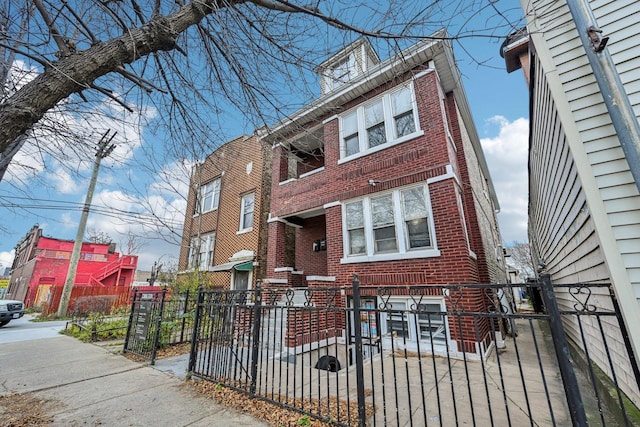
(352, 61)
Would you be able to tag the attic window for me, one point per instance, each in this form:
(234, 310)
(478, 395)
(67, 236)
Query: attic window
(341, 72)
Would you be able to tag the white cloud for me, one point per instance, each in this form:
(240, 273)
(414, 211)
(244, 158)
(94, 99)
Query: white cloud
(67, 135)
(6, 259)
(155, 221)
(63, 182)
(507, 158)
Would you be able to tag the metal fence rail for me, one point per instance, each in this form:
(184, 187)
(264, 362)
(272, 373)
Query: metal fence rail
(397, 356)
(145, 322)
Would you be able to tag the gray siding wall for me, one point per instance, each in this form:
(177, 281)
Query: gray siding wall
(619, 195)
(583, 197)
(562, 232)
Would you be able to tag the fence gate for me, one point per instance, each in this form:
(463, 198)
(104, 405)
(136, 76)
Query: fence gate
(434, 355)
(145, 323)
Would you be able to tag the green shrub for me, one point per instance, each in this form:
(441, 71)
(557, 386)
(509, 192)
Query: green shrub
(97, 327)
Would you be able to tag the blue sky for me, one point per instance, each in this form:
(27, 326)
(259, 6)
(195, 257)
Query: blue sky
(132, 195)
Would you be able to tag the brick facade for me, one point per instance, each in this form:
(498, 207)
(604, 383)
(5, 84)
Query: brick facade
(243, 166)
(442, 155)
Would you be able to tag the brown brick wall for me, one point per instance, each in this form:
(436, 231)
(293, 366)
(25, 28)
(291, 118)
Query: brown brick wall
(229, 163)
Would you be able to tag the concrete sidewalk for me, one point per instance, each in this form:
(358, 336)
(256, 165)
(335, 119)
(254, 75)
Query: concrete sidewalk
(93, 386)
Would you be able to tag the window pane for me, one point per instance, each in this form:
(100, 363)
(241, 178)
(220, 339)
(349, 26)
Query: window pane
(209, 196)
(350, 124)
(344, 70)
(385, 239)
(382, 211)
(351, 145)
(376, 135)
(248, 220)
(355, 217)
(415, 204)
(431, 322)
(357, 242)
(401, 101)
(405, 124)
(247, 211)
(206, 197)
(216, 193)
(418, 233)
(373, 114)
(397, 322)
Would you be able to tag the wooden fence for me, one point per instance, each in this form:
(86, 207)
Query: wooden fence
(81, 298)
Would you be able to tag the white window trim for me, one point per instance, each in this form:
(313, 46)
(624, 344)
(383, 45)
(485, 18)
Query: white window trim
(389, 122)
(200, 208)
(234, 276)
(242, 229)
(350, 71)
(412, 340)
(403, 252)
(205, 241)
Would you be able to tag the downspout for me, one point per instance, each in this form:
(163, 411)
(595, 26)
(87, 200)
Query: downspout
(617, 102)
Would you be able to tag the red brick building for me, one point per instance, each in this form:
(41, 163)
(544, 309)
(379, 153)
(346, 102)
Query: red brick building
(42, 262)
(223, 242)
(384, 176)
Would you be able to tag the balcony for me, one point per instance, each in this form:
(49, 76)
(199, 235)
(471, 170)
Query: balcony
(304, 156)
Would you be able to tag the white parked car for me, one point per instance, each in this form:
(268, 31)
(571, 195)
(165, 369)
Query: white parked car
(9, 310)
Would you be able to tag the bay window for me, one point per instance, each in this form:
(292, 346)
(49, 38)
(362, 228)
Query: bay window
(384, 121)
(391, 225)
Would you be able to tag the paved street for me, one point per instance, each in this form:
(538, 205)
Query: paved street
(23, 330)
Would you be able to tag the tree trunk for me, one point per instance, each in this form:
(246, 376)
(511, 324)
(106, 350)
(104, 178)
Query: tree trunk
(77, 71)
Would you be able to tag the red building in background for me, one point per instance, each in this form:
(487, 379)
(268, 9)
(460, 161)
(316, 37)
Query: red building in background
(42, 262)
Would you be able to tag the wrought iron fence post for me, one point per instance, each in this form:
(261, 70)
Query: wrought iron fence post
(357, 325)
(184, 312)
(194, 334)
(131, 314)
(565, 362)
(255, 349)
(156, 336)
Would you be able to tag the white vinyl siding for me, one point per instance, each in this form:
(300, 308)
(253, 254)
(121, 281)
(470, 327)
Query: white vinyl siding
(584, 169)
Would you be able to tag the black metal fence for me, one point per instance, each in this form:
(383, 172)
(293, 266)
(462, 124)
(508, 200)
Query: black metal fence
(419, 355)
(158, 319)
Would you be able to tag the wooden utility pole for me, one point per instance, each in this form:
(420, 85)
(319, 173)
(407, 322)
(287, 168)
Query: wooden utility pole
(104, 149)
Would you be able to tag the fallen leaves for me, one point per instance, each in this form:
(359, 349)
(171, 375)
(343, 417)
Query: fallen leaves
(280, 416)
(25, 410)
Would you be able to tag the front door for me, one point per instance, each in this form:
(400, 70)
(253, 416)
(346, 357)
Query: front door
(241, 280)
